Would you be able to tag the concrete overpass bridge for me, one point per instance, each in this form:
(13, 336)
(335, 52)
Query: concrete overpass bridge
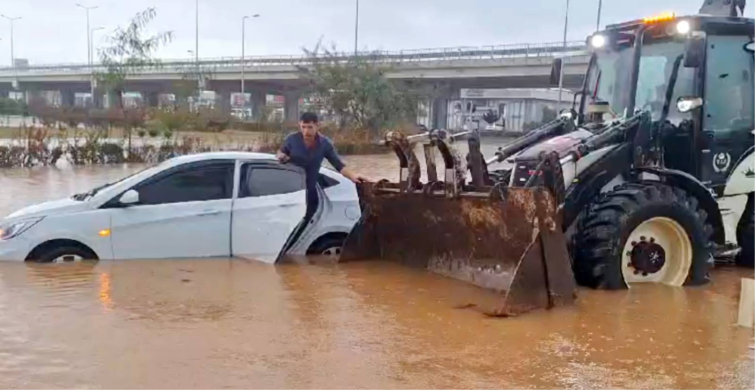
(448, 70)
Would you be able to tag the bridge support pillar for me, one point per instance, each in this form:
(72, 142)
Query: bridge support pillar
(67, 98)
(258, 100)
(223, 100)
(440, 113)
(291, 109)
(151, 98)
(98, 99)
(33, 96)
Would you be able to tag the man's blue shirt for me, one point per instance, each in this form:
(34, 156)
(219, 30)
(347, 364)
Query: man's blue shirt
(310, 159)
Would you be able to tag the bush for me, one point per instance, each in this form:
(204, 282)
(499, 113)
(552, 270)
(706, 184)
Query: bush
(12, 156)
(172, 119)
(111, 153)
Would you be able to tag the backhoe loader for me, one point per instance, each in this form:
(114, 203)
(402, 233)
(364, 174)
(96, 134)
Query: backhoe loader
(645, 180)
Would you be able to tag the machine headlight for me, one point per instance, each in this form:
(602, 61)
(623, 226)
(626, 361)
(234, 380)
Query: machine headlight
(598, 41)
(14, 229)
(683, 27)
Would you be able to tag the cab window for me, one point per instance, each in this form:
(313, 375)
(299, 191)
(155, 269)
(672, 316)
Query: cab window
(729, 85)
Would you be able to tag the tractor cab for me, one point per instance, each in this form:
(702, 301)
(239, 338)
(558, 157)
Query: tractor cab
(693, 75)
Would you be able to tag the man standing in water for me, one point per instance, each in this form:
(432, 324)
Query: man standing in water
(306, 149)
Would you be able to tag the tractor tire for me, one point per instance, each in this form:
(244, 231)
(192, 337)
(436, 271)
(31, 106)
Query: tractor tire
(643, 232)
(746, 236)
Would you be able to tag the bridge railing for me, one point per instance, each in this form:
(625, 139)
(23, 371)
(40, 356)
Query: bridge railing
(190, 66)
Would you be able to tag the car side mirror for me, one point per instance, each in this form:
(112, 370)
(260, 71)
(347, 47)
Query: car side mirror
(694, 50)
(556, 71)
(129, 198)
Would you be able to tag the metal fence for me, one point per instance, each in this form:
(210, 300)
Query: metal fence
(393, 57)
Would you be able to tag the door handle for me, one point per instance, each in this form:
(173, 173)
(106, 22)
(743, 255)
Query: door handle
(286, 206)
(208, 213)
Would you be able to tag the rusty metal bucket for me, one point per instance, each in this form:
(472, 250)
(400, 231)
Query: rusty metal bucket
(509, 241)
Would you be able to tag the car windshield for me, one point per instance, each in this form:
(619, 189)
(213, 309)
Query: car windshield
(609, 78)
(89, 194)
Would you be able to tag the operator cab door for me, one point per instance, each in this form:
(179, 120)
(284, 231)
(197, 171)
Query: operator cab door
(728, 122)
(270, 205)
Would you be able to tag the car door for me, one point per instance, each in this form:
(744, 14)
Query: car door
(728, 120)
(184, 212)
(270, 205)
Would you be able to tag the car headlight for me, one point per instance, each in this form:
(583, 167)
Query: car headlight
(14, 229)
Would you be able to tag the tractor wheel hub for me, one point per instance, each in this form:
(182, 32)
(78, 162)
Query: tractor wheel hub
(647, 257)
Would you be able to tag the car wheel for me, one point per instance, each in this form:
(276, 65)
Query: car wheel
(65, 254)
(328, 247)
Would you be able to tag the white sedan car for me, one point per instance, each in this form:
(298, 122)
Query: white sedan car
(206, 205)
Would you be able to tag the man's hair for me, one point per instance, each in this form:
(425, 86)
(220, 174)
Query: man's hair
(309, 117)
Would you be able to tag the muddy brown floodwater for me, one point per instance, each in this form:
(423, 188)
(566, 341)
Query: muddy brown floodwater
(233, 323)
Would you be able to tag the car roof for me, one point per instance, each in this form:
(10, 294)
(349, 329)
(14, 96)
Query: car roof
(220, 156)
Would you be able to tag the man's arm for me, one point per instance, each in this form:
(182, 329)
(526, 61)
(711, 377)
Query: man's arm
(284, 153)
(332, 156)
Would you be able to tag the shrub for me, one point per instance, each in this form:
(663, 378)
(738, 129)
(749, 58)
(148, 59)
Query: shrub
(172, 119)
(12, 156)
(111, 153)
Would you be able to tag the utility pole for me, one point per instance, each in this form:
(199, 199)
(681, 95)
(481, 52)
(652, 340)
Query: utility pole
(600, 10)
(12, 54)
(356, 31)
(563, 63)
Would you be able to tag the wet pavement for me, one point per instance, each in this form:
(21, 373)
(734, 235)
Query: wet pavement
(239, 324)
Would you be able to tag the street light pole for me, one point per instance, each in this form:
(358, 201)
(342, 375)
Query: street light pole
(356, 31)
(243, 54)
(563, 63)
(89, 33)
(12, 54)
(600, 10)
(91, 61)
(196, 51)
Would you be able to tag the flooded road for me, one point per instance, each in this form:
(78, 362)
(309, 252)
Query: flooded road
(239, 324)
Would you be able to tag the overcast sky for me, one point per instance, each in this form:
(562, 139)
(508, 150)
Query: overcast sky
(55, 30)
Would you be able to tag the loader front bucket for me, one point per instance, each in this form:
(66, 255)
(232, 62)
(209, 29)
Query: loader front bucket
(510, 242)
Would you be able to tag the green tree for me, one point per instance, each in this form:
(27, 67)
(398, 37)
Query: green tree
(356, 92)
(10, 106)
(129, 51)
